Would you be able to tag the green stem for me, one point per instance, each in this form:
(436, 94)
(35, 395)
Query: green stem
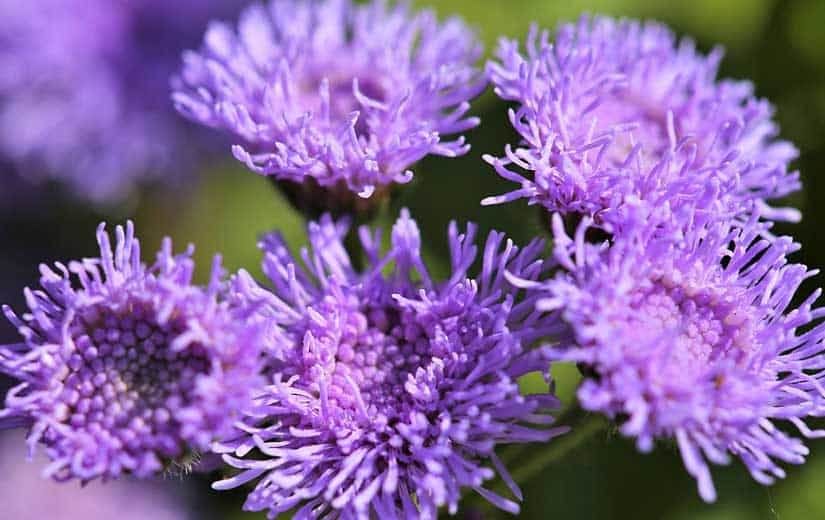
(571, 415)
(558, 448)
(353, 246)
(528, 460)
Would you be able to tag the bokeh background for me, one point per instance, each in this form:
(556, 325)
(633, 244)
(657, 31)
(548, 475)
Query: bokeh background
(778, 44)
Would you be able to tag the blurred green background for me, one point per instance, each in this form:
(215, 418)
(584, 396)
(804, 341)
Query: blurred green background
(779, 45)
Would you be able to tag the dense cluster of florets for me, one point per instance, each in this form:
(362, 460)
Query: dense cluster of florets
(682, 321)
(334, 94)
(694, 340)
(133, 370)
(355, 385)
(613, 110)
(390, 390)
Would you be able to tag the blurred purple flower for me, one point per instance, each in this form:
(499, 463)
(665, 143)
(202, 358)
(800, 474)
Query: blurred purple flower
(342, 95)
(26, 496)
(133, 370)
(390, 390)
(612, 110)
(694, 340)
(84, 91)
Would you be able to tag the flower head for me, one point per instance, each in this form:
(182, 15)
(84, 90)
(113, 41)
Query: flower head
(695, 340)
(616, 109)
(388, 387)
(84, 91)
(132, 369)
(343, 96)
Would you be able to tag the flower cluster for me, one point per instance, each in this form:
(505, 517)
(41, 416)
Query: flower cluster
(83, 91)
(353, 383)
(616, 110)
(683, 320)
(334, 95)
(132, 370)
(390, 389)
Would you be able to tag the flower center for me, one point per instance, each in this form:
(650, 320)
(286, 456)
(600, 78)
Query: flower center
(643, 122)
(704, 325)
(371, 358)
(342, 100)
(124, 378)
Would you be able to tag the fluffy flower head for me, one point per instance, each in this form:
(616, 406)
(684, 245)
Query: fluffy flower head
(389, 387)
(131, 370)
(611, 109)
(341, 95)
(695, 341)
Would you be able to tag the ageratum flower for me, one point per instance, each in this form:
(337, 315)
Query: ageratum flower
(695, 341)
(334, 97)
(84, 91)
(390, 390)
(132, 370)
(614, 109)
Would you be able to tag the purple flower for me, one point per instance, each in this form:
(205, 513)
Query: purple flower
(390, 390)
(132, 370)
(694, 340)
(612, 110)
(84, 91)
(343, 96)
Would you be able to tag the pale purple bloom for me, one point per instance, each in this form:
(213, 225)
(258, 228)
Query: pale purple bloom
(616, 109)
(84, 91)
(341, 95)
(133, 369)
(390, 390)
(26, 496)
(695, 340)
